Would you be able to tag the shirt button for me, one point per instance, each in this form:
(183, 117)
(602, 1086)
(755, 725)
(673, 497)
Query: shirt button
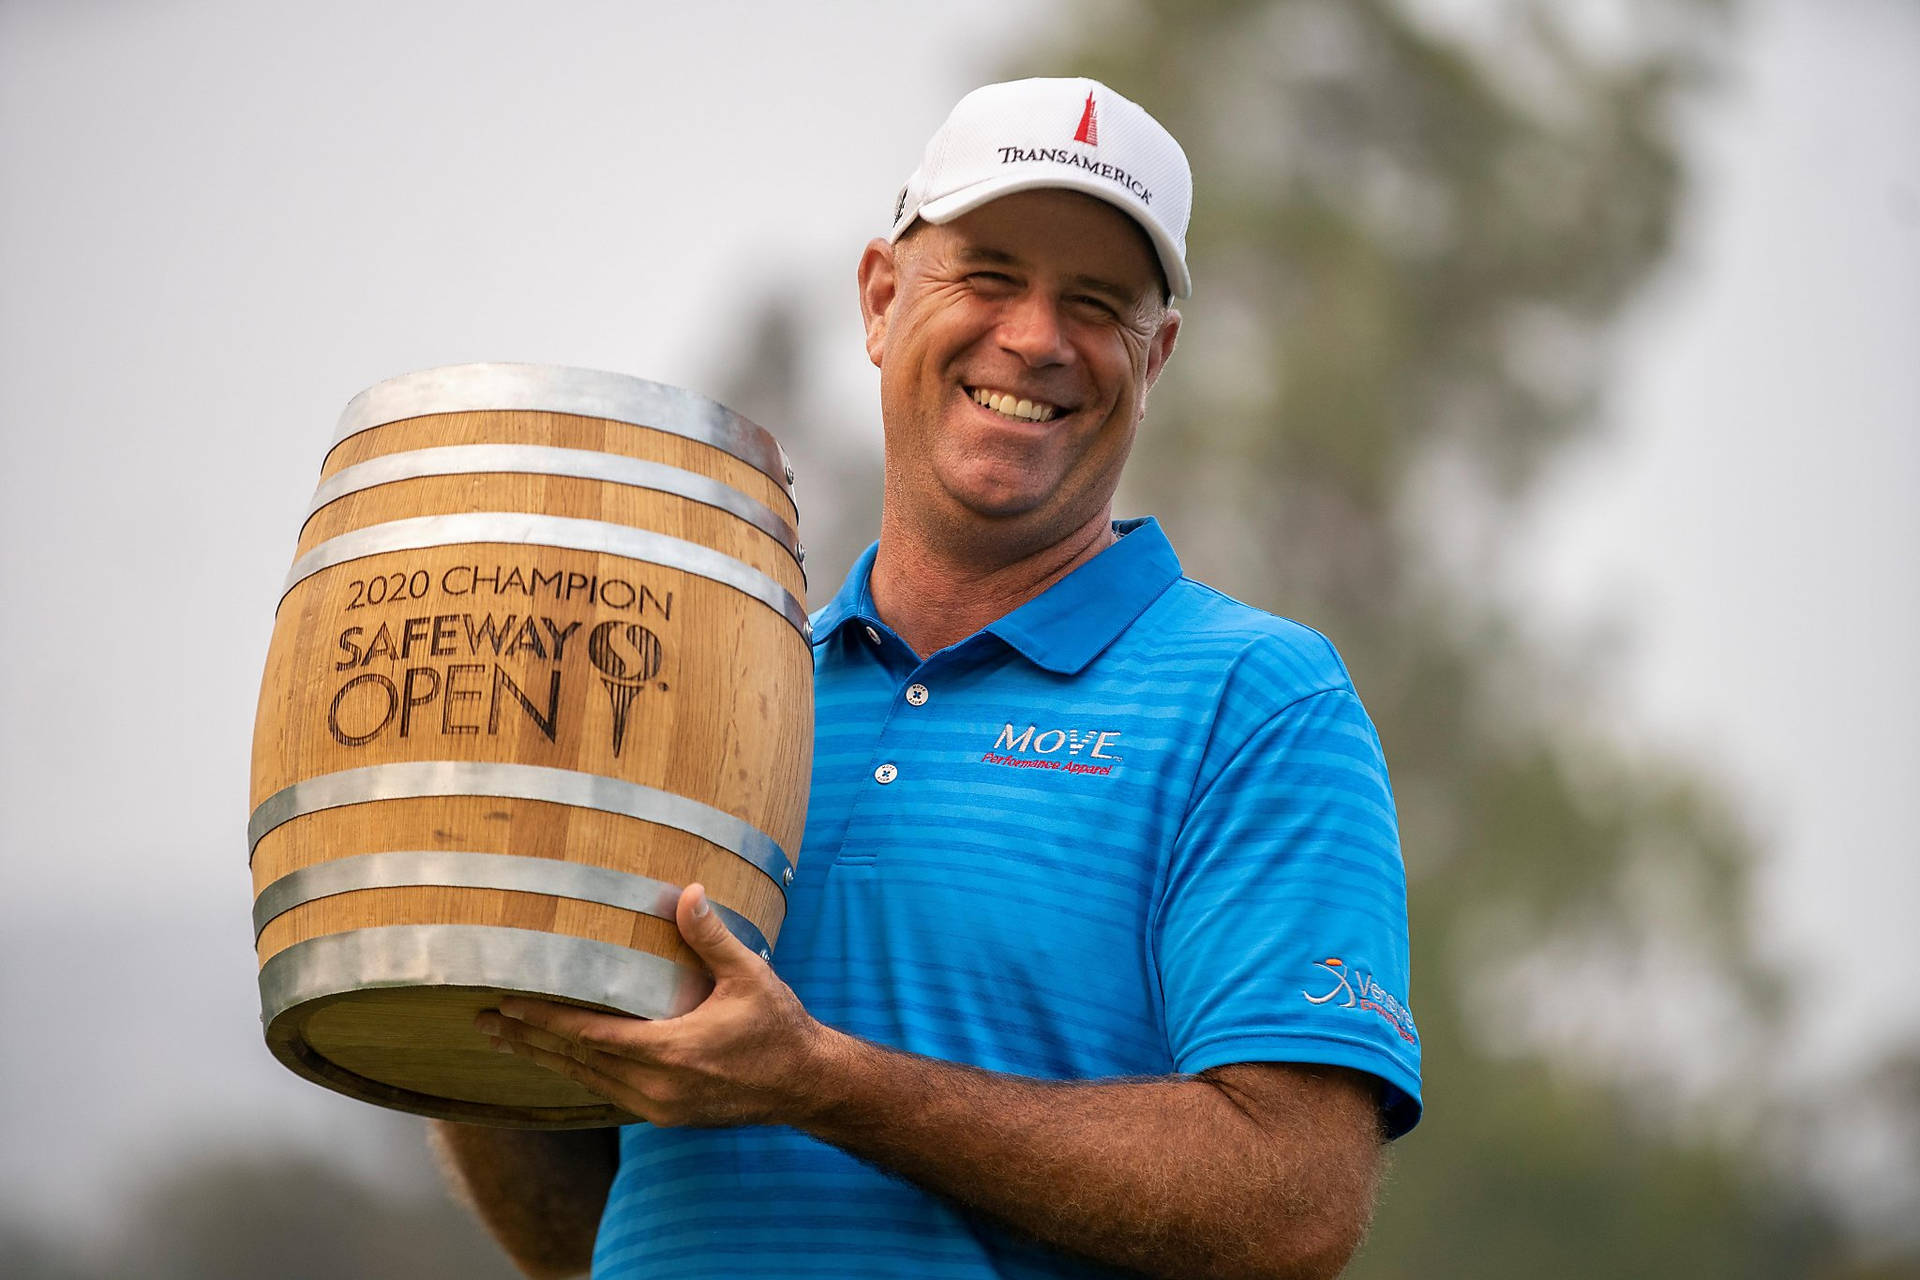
(885, 773)
(873, 636)
(917, 694)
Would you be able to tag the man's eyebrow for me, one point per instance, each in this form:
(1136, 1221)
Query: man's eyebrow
(1094, 284)
(983, 255)
(975, 253)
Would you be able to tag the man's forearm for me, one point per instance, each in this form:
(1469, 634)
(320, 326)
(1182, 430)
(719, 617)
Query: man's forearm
(539, 1193)
(1184, 1177)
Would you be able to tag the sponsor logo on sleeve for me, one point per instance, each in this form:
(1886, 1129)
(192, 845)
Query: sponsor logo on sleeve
(1353, 989)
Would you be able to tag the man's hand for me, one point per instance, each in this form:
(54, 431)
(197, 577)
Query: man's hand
(747, 1055)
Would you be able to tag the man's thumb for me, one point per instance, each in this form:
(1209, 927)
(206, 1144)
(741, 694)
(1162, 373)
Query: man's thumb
(709, 936)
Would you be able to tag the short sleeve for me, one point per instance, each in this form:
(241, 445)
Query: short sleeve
(1282, 933)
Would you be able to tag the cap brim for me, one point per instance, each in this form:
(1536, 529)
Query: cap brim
(967, 199)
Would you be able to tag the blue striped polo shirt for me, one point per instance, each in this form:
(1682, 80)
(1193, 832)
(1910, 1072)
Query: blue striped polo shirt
(1133, 828)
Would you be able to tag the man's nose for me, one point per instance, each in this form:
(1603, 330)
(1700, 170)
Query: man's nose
(1033, 328)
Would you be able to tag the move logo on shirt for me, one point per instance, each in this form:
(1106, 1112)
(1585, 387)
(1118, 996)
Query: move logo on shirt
(1085, 751)
(1360, 991)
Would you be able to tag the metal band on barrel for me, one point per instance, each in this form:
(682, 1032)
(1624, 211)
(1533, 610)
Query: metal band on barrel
(587, 393)
(542, 460)
(407, 780)
(470, 955)
(441, 868)
(569, 533)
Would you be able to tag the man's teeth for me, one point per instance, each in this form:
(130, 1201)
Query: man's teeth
(1014, 407)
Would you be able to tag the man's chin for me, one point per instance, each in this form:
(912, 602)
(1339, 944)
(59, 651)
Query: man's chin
(1028, 522)
(1002, 506)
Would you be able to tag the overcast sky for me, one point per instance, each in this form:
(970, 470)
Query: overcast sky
(218, 222)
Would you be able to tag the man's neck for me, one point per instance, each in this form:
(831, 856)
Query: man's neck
(933, 594)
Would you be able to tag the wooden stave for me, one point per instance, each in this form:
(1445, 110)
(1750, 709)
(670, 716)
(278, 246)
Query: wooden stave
(562, 431)
(554, 389)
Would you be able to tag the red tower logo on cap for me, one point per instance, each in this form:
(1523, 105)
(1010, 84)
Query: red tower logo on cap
(1089, 130)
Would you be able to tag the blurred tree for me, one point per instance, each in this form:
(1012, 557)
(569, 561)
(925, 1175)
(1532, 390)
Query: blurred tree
(1409, 248)
(254, 1214)
(29, 1255)
(295, 1218)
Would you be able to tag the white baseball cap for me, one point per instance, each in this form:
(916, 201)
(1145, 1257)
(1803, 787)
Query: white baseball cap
(1073, 133)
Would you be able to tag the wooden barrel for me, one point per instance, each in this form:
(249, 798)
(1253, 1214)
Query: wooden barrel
(542, 660)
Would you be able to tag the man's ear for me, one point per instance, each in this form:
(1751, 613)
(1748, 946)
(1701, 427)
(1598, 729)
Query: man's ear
(1160, 348)
(879, 282)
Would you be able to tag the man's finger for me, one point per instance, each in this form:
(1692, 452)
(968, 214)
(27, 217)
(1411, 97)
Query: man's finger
(504, 1028)
(622, 1037)
(711, 940)
(581, 1073)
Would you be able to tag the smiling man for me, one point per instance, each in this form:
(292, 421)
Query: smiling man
(1096, 960)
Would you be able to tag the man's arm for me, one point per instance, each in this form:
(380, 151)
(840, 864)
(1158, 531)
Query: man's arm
(539, 1193)
(1248, 1170)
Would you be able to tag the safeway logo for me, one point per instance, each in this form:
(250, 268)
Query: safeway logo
(1068, 750)
(1089, 130)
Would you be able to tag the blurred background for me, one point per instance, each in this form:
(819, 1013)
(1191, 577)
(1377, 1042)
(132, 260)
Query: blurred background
(1557, 359)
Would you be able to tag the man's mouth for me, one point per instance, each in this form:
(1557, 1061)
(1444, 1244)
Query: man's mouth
(1008, 405)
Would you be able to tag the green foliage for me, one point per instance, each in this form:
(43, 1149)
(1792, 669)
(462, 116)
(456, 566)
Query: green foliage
(1408, 251)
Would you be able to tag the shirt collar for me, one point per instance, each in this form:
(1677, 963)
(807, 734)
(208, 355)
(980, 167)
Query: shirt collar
(853, 602)
(1070, 623)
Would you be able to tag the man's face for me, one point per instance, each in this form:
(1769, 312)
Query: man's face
(1048, 298)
